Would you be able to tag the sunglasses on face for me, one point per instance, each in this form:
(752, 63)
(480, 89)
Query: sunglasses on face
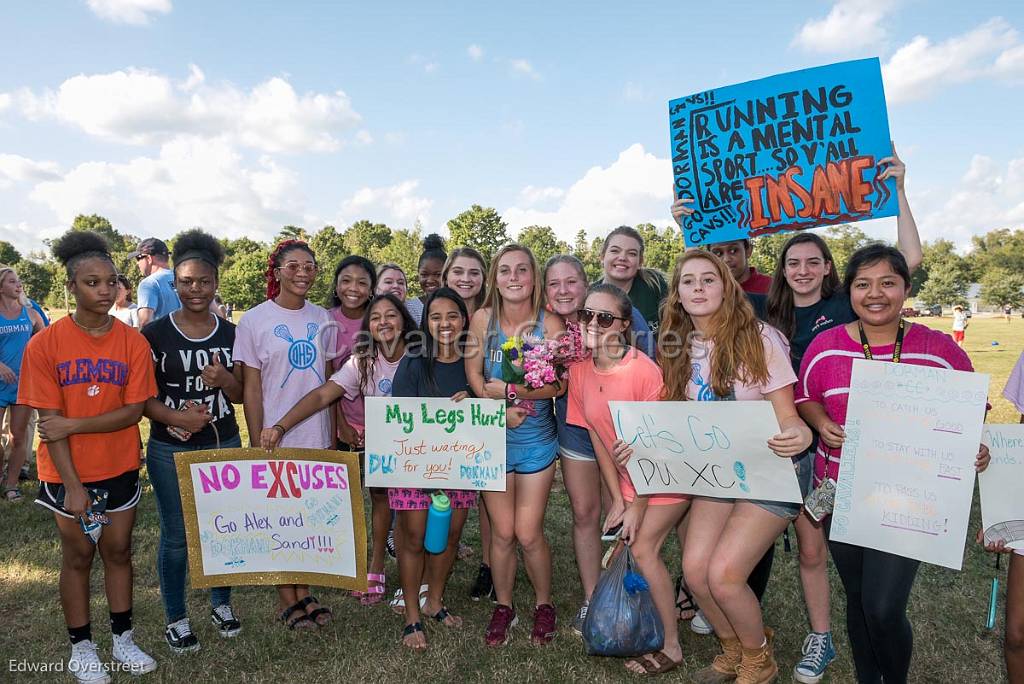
(604, 319)
(294, 267)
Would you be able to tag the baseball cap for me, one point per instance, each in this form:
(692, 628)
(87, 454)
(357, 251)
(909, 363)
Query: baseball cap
(151, 246)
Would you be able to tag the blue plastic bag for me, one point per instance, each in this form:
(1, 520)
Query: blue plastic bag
(622, 620)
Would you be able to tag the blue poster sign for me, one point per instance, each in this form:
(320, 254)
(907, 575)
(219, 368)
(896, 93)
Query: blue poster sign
(788, 152)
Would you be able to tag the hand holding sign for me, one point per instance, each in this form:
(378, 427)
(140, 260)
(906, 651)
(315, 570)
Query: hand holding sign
(894, 168)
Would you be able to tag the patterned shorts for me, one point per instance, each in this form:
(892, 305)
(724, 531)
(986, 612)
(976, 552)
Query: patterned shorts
(419, 499)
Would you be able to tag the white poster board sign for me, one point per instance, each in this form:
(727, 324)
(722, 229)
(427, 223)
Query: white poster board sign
(1002, 485)
(906, 474)
(707, 448)
(425, 443)
(294, 516)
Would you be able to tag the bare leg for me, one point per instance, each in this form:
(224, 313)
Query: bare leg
(501, 509)
(76, 562)
(810, 539)
(18, 446)
(485, 532)
(582, 482)
(439, 566)
(410, 528)
(380, 514)
(115, 547)
(748, 533)
(532, 492)
(1014, 646)
(708, 519)
(658, 522)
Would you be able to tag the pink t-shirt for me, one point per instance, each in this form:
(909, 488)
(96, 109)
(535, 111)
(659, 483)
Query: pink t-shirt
(1014, 390)
(828, 364)
(634, 378)
(377, 385)
(289, 347)
(776, 354)
(347, 329)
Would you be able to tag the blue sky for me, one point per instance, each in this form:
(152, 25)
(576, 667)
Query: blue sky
(241, 117)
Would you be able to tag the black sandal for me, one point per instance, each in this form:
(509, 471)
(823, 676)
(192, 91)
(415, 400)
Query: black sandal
(686, 603)
(443, 615)
(286, 617)
(316, 613)
(411, 629)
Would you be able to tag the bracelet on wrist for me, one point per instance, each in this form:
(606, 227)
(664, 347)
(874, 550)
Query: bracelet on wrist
(280, 427)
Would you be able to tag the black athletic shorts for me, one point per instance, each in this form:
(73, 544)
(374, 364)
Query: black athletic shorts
(123, 493)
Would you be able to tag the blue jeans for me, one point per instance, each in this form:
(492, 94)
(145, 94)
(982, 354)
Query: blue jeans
(172, 556)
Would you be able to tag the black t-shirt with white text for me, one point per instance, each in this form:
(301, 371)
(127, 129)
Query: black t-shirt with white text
(817, 318)
(179, 362)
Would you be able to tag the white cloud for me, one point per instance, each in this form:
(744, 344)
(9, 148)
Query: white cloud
(193, 181)
(397, 205)
(531, 195)
(921, 67)
(633, 92)
(137, 106)
(475, 52)
(129, 11)
(18, 169)
(850, 26)
(5, 101)
(988, 196)
(1010, 63)
(429, 66)
(27, 237)
(522, 67)
(363, 137)
(635, 188)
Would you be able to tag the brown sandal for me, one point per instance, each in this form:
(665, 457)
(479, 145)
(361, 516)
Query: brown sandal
(664, 664)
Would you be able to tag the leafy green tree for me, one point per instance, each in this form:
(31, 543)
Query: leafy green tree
(843, 241)
(478, 227)
(403, 249)
(99, 224)
(292, 233)
(997, 249)
(243, 283)
(242, 245)
(767, 250)
(661, 247)
(1003, 287)
(329, 246)
(8, 254)
(36, 278)
(363, 237)
(541, 240)
(940, 260)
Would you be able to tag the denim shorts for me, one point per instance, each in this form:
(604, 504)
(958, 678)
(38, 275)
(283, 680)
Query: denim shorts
(804, 467)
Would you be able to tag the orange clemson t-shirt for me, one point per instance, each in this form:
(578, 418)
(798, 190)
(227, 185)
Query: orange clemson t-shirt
(82, 376)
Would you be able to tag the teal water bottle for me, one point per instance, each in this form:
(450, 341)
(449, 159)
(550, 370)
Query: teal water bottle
(439, 520)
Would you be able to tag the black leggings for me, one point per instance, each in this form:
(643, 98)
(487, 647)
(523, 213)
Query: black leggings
(878, 588)
(762, 572)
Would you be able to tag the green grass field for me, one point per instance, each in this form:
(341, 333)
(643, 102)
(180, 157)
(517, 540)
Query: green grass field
(948, 608)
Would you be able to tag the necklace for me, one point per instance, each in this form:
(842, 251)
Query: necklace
(96, 329)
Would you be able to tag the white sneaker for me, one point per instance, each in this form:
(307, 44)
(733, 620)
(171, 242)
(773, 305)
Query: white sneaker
(86, 666)
(700, 625)
(136, 660)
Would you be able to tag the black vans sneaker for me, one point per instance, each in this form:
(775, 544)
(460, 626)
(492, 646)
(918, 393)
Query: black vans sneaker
(223, 618)
(483, 587)
(180, 638)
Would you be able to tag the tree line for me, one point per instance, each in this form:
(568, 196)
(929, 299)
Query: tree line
(996, 259)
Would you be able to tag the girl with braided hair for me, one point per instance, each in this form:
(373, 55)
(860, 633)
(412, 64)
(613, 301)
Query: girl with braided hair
(284, 346)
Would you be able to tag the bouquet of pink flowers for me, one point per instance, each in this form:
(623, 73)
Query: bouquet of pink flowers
(539, 362)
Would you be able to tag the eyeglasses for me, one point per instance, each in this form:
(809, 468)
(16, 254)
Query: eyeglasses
(604, 319)
(294, 267)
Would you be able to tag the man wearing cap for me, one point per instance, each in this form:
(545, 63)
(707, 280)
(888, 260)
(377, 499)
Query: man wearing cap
(156, 294)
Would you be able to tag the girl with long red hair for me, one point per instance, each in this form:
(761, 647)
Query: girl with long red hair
(711, 347)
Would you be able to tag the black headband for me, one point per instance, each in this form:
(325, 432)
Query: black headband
(197, 254)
